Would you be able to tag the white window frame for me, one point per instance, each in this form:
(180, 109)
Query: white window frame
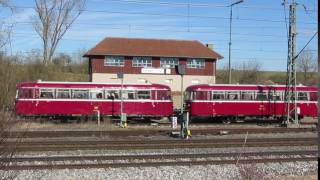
(169, 62)
(141, 61)
(196, 63)
(117, 61)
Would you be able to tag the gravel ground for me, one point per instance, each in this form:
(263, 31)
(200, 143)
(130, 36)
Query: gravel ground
(257, 171)
(165, 151)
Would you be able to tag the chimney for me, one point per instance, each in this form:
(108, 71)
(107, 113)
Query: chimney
(210, 46)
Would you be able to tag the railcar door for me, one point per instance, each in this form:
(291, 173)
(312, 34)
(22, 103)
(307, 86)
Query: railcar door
(263, 103)
(274, 107)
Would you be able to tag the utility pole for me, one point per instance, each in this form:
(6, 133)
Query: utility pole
(230, 28)
(290, 92)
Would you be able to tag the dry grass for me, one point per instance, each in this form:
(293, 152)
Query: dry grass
(6, 151)
(250, 172)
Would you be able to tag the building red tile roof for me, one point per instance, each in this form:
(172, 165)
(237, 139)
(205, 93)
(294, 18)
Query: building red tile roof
(153, 47)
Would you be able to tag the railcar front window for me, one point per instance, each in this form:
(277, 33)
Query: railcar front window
(143, 94)
(80, 94)
(25, 93)
(302, 96)
(63, 93)
(46, 93)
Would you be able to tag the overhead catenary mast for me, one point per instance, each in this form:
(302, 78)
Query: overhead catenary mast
(291, 82)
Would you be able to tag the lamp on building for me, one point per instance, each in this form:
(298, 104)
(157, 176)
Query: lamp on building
(229, 66)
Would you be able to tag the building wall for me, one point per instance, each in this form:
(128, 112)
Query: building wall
(97, 65)
(175, 84)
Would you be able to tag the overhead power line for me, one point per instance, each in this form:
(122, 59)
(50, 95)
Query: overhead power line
(197, 5)
(168, 25)
(176, 15)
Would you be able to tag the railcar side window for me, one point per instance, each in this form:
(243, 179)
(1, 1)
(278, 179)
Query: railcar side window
(247, 95)
(112, 94)
(129, 94)
(143, 94)
(302, 96)
(80, 94)
(63, 93)
(261, 96)
(96, 94)
(46, 93)
(25, 93)
(232, 95)
(217, 95)
(276, 96)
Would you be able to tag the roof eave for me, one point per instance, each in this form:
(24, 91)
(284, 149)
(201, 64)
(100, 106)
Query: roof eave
(155, 55)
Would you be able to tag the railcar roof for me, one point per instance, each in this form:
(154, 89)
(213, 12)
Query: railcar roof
(246, 87)
(61, 84)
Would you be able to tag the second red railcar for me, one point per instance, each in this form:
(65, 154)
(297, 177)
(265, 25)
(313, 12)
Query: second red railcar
(233, 101)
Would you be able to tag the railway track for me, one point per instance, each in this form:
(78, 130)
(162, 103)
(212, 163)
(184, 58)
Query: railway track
(115, 161)
(156, 144)
(151, 132)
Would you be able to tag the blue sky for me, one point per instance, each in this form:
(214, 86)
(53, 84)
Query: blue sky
(258, 28)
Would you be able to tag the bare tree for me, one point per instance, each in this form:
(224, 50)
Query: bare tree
(5, 28)
(249, 72)
(306, 63)
(55, 17)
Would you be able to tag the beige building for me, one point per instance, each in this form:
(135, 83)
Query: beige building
(153, 61)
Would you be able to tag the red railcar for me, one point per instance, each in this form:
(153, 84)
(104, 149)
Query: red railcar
(84, 98)
(234, 101)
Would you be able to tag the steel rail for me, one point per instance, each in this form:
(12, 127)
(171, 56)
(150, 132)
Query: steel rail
(151, 132)
(160, 144)
(155, 156)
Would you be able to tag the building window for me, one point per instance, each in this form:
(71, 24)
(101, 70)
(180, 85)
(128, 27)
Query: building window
(195, 81)
(169, 81)
(142, 81)
(114, 61)
(168, 62)
(195, 63)
(141, 62)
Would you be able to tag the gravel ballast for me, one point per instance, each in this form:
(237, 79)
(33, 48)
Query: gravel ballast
(257, 171)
